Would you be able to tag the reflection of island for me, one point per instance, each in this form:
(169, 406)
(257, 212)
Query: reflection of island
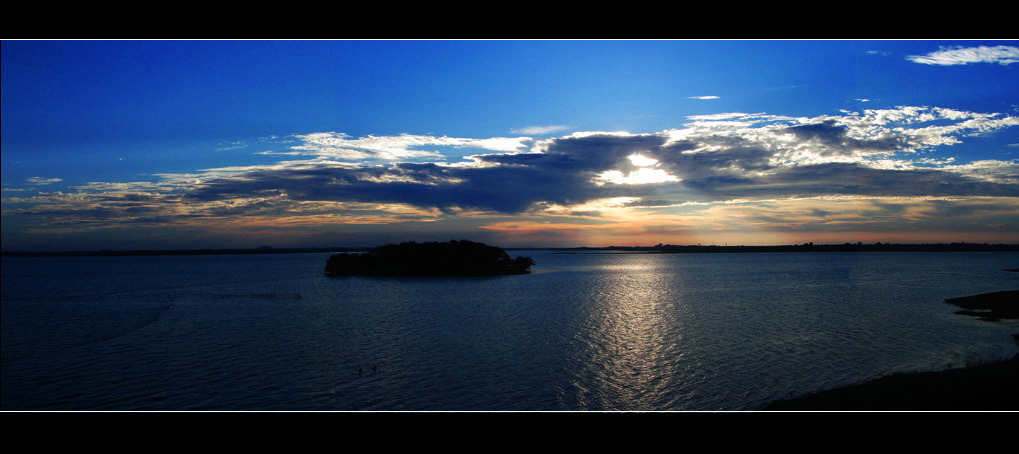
(453, 258)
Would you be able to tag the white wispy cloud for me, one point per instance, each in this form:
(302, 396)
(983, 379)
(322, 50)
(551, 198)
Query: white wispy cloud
(539, 130)
(704, 97)
(38, 181)
(730, 116)
(235, 145)
(715, 159)
(336, 145)
(995, 171)
(1003, 55)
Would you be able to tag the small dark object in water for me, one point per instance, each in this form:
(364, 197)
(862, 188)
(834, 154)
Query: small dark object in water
(453, 258)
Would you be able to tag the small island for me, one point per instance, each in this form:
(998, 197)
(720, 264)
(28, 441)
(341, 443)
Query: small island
(452, 258)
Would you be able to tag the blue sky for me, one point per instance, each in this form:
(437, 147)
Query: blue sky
(169, 144)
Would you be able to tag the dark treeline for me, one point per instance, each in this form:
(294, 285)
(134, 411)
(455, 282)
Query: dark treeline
(811, 247)
(143, 252)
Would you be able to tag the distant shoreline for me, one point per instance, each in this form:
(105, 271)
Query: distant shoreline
(659, 249)
(144, 252)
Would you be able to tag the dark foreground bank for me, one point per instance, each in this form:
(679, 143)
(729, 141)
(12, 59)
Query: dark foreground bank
(989, 306)
(983, 387)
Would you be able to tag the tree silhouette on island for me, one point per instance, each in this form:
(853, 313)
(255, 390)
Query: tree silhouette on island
(452, 258)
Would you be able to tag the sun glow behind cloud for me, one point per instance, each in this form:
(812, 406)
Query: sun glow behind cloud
(734, 177)
(645, 173)
(528, 143)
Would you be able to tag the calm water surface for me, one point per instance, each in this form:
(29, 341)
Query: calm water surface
(582, 332)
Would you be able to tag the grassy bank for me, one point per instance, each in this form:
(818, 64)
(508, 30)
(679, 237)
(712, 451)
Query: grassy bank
(989, 306)
(982, 387)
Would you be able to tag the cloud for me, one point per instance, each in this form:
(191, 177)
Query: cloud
(333, 145)
(235, 145)
(713, 162)
(704, 97)
(778, 221)
(834, 138)
(946, 56)
(39, 181)
(539, 130)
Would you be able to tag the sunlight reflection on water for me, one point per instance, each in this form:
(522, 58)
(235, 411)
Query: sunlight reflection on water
(583, 332)
(628, 346)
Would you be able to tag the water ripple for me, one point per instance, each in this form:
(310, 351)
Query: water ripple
(591, 332)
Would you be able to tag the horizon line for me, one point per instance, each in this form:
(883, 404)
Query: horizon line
(846, 246)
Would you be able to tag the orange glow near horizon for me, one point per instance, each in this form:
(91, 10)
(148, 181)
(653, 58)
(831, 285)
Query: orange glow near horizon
(760, 223)
(618, 221)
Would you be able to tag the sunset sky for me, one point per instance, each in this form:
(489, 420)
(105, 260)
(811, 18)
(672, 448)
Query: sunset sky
(221, 144)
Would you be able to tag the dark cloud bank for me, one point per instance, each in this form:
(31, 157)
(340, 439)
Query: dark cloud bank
(706, 162)
(567, 173)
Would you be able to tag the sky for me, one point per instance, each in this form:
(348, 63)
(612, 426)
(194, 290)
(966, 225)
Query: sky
(220, 144)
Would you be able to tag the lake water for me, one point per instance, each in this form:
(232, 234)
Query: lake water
(583, 332)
